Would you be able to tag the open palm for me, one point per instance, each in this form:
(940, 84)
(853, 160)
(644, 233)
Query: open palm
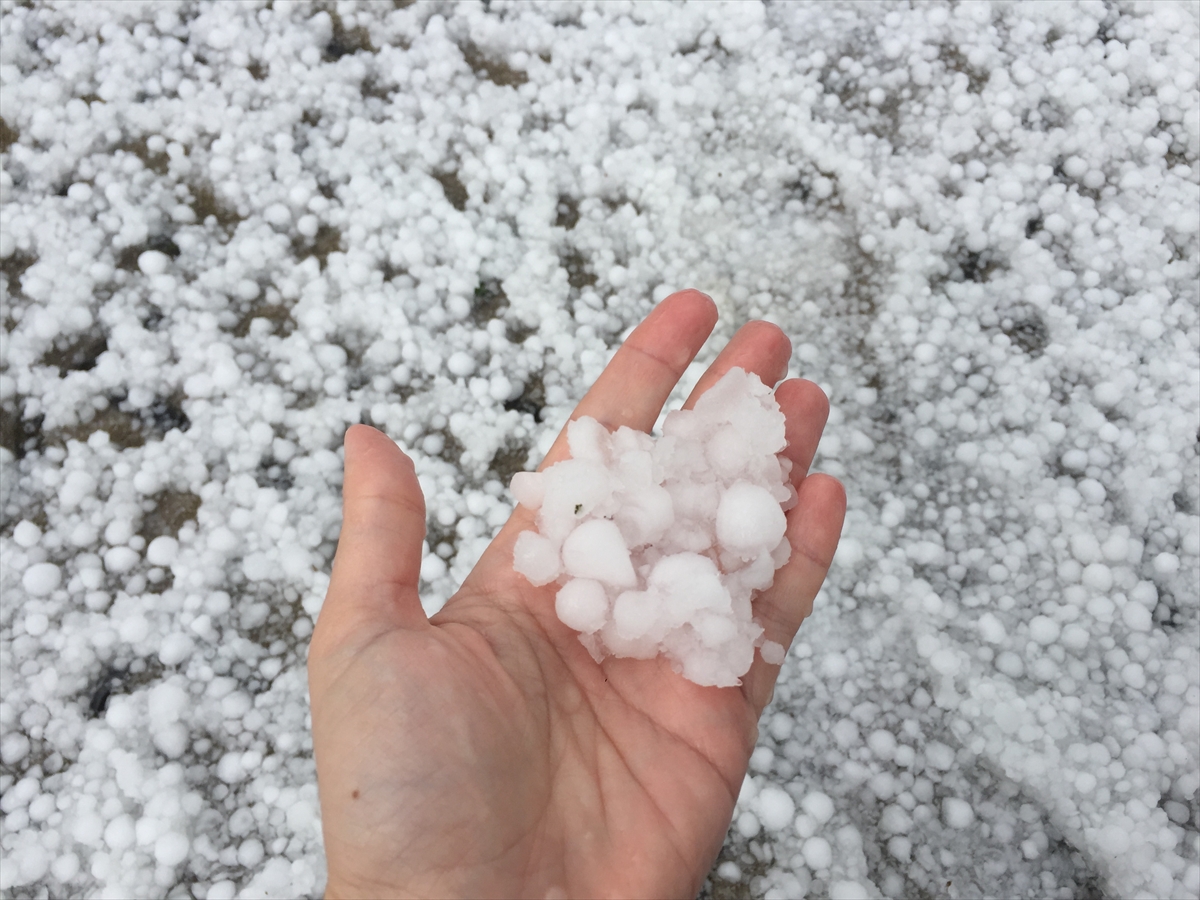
(483, 752)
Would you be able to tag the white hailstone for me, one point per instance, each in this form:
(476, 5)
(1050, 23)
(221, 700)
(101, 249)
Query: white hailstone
(762, 759)
(1075, 460)
(597, 550)
(460, 364)
(87, 828)
(1092, 491)
(1134, 675)
(1166, 564)
(433, 567)
(153, 262)
(250, 852)
(1098, 577)
(945, 662)
(120, 560)
(1107, 394)
(991, 629)
(957, 813)
(171, 740)
(171, 849)
(1085, 547)
(901, 848)
(499, 387)
(120, 833)
(773, 653)
(528, 488)
(818, 805)
(848, 890)
(13, 748)
(118, 531)
(1114, 840)
(895, 820)
(776, 808)
(167, 701)
(1076, 637)
(660, 545)
(41, 579)
(582, 604)
(1137, 617)
(882, 744)
(26, 534)
(834, 666)
(748, 825)
(749, 518)
(175, 649)
(849, 553)
(1044, 630)
(817, 853)
(278, 215)
(536, 558)
(229, 768)
(162, 550)
(76, 486)
(65, 867)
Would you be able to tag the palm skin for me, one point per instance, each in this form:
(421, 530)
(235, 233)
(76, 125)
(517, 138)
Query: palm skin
(483, 752)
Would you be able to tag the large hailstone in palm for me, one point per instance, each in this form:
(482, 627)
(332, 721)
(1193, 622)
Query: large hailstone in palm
(659, 545)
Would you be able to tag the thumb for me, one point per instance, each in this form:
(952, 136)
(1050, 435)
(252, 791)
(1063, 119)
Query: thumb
(378, 562)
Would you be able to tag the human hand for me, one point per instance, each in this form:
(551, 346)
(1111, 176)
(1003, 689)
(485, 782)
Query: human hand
(483, 752)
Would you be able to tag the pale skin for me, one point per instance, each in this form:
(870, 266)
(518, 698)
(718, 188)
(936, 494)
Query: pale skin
(482, 752)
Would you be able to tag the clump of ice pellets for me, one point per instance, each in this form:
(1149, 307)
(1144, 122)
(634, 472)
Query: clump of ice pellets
(659, 545)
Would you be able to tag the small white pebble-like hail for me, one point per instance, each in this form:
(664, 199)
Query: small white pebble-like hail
(659, 545)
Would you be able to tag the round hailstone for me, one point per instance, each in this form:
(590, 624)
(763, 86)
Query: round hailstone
(162, 550)
(772, 653)
(120, 559)
(13, 748)
(26, 534)
(65, 867)
(119, 833)
(819, 806)
(581, 604)
(775, 808)
(749, 519)
(957, 813)
(171, 849)
(153, 262)
(529, 488)
(817, 853)
(1137, 617)
(41, 579)
(536, 558)
(175, 649)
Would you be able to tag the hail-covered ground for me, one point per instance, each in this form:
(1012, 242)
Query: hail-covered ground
(231, 230)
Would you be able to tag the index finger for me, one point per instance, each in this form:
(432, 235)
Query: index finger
(641, 375)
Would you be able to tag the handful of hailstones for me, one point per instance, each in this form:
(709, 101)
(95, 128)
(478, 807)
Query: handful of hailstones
(659, 545)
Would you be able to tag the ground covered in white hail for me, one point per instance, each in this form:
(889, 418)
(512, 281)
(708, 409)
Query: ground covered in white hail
(229, 231)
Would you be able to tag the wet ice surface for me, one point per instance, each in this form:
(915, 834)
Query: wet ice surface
(658, 545)
(229, 232)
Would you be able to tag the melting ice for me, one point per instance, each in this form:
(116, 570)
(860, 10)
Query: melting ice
(659, 545)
